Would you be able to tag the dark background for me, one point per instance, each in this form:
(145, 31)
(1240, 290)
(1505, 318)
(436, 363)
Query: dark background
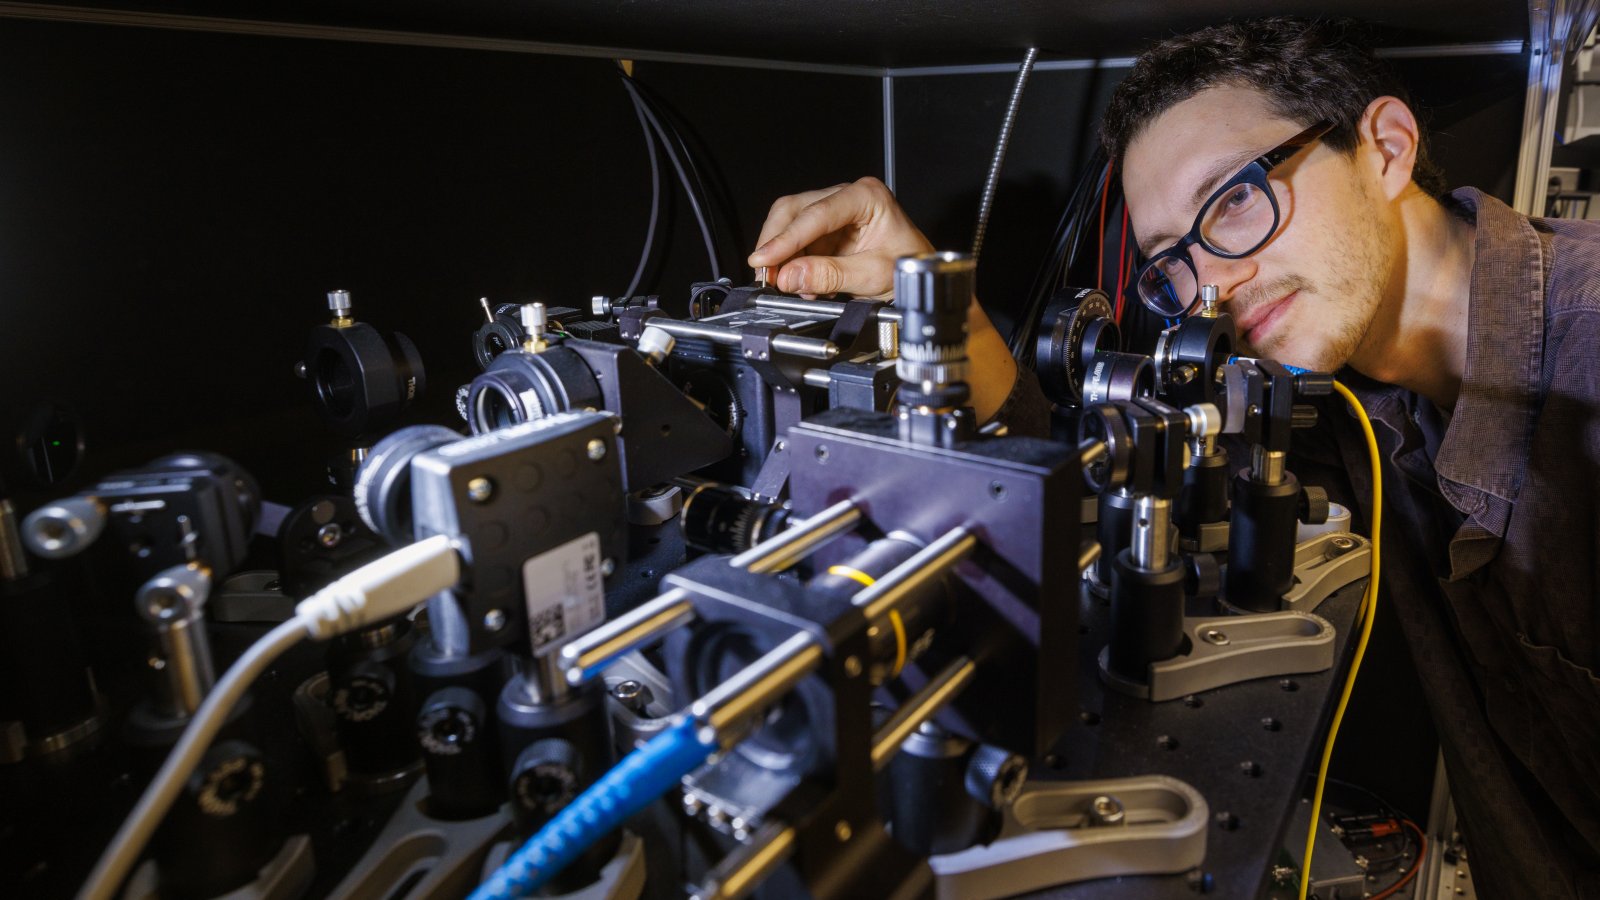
(174, 206)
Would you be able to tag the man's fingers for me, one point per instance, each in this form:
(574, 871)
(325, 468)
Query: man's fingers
(863, 275)
(783, 211)
(851, 206)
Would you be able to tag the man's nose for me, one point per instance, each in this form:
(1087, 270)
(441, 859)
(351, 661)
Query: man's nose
(1229, 275)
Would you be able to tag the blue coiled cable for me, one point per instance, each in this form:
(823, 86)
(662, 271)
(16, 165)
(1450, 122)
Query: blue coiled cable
(630, 786)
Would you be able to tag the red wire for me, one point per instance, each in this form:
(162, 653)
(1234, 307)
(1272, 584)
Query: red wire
(1122, 263)
(1416, 863)
(1105, 192)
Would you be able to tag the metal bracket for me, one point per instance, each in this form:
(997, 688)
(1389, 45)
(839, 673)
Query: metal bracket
(635, 727)
(284, 877)
(1325, 564)
(1232, 649)
(622, 878)
(420, 856)
(1069, 831)
(1213, 538)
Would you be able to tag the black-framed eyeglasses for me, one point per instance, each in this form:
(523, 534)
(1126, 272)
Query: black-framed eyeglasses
(1236, 221)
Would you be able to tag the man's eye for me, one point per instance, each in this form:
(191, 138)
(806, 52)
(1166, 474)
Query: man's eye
(1240, 198)
(1169, 265)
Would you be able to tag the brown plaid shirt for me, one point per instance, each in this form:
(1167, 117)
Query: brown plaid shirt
(1491, 548)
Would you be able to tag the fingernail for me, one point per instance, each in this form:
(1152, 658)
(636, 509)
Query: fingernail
(760, 252)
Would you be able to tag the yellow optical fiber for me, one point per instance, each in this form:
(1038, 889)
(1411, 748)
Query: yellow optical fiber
(899, 624)
(1365, 615)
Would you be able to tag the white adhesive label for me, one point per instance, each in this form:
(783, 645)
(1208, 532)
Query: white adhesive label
(565, 590)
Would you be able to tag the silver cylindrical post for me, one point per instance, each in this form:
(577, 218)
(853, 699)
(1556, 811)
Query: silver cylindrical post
(1152, 523)
(789, 547)
(1266, 466)
(743, 870)
(174, 602)
(450, 632)
(543, 679)
(63, 528)
(13, 565)
(927, 564)
(756, 687)
(921, 707)
(586, 655)
(818, 378)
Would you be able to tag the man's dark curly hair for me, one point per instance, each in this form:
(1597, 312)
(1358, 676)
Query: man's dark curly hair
(1309, 69)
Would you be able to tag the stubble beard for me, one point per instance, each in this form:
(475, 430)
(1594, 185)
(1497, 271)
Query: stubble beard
(1340, 310)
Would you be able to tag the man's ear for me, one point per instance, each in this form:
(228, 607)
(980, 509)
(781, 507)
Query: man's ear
(1389, 137)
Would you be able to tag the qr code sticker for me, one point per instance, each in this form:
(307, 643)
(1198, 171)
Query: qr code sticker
(565, 591)
(547, 625)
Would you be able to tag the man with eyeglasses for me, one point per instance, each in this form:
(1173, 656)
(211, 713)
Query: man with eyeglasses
(1279, 160)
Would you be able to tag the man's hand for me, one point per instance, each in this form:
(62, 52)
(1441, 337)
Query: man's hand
(842, 239)
(845, 239)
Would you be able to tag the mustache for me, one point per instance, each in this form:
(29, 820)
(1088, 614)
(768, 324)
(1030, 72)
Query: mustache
(1266, 293)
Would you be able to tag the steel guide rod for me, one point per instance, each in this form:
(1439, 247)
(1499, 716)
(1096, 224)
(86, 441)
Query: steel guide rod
(886, 313)
(757, 686)
(743, 870)
(793, 345)
(922, 567)
(791, 304)
(586, 655)
(920, 708)
(789, 547)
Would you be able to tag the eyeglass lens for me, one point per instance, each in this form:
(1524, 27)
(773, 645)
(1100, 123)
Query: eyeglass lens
(1238, 221)
(1168, 286)
(1234, 223)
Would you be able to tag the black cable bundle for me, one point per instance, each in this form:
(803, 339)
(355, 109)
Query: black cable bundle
(1077, 219)
(661, 132)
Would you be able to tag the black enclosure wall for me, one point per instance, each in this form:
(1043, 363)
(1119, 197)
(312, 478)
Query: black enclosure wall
(174, 206)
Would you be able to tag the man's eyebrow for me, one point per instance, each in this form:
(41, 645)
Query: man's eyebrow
(1219, 170)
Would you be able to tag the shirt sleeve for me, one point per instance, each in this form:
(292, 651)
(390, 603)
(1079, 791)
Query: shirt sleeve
(1026, 412)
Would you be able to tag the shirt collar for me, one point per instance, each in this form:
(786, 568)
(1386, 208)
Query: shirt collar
(1485, 448)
